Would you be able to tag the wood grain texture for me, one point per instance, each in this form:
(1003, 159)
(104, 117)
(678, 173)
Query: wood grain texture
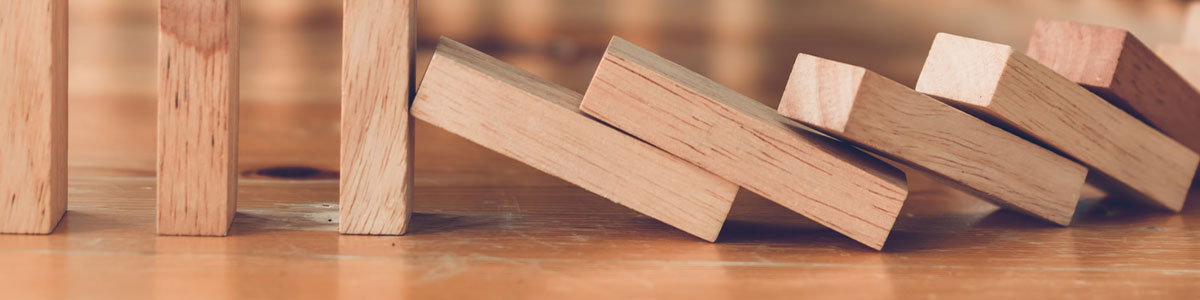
(539, 123)
(33, 115)
(1018, 93)
(378, 48)
(746, 142)
(876, 113)
(197, 116)
(1116, 65)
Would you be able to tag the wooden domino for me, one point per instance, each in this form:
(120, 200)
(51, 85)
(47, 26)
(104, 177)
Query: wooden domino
(33, 115)
(197, 116)
(1114, 64)
(876, 113)
(539, 123)
(746, 142)
(377, 132)
(1016, 92)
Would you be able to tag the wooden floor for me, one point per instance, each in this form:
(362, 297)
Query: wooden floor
(489, 227)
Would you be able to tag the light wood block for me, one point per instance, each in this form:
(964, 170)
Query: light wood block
(378, 47)
(539, 123)
(33, 115)
(197, 116)
(1114, 64)
(1016, 92)
(746, 142)
(889, 119)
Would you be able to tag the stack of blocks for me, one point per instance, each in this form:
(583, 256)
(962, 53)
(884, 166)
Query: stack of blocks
(1025, 131)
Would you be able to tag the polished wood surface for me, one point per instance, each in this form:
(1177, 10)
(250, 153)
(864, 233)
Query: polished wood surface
(488, 226)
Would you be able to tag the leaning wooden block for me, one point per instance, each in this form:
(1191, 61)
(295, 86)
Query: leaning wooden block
(539, 123)
(881, 115)
(1116, 65)
(1016, 92)
(197, 116)
(33, 115)
(1184, 60)
(746, 142)
(376, 181)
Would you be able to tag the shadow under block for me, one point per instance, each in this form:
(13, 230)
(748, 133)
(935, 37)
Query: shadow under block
(746, 142)
(539, 123)
(887, 118)
(377, 132)
(1117, 66)
(197, 116)
(33, 115)
(1018, 93)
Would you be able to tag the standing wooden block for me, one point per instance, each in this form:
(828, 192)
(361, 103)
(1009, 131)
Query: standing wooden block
(746, 142)
(377, 145)
(197, 116)
(33, 115)
(1116, 65)
(1014, 91)
(539, 123)
(876, 113)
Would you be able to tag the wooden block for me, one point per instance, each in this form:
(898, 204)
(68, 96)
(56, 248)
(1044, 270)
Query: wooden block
(1117, 66)
(197, 116)
(33, 115)
(378, 46)
(876, 113)
(539, 123)
(1016, 92)
(746, 142)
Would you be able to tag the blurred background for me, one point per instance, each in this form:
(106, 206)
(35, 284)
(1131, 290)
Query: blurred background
(291, 63)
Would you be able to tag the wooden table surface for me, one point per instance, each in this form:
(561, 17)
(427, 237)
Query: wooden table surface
(489, 227)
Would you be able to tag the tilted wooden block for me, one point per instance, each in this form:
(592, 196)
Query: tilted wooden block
(746, 142)
(881, 115)
(1018, 93)
(33, 115)
(539, 123)
(378, 47)
(1116, 65)
(1184, 60)
(197, 116)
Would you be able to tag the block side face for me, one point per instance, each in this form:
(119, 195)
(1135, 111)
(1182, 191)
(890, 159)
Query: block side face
(567, 144)
(859, 196)
(917, 130)
(197, 117)
(821, 93)
(963, 70)
(32, 116)
(1145, 86)
(1083, 53)
(377, 131)
(1058, 113)
(511, 75)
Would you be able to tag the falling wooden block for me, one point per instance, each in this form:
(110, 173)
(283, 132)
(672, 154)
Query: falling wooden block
(377, 132)
(746, 142)
(1116, 65)
(539, 123)
(887, 118)
(1016, 92)
(197, 116)
(33, 115)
